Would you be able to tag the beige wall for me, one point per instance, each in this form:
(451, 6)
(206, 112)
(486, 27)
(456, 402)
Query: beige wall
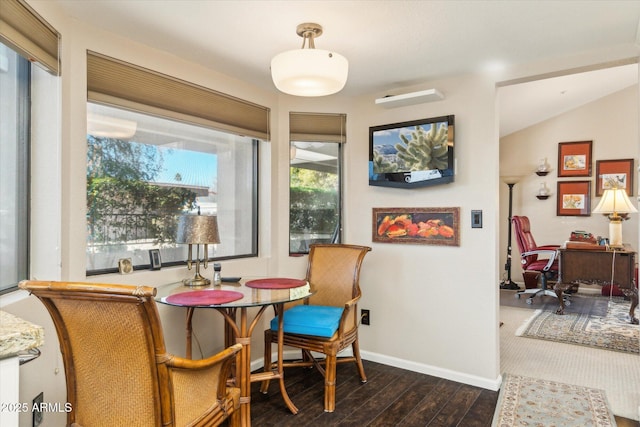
(612, 124)
(433, 309)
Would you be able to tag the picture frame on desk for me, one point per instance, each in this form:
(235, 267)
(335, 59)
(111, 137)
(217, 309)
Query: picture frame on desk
(574, 159)
(574, 198)
(154, 259)
(614, 173)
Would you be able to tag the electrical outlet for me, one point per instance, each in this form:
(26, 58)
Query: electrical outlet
(36, 409)
(365, 317)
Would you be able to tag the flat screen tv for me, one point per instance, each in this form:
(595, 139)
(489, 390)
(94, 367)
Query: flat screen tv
(412, 154)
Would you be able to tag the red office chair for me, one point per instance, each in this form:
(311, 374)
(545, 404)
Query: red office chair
(541, 259)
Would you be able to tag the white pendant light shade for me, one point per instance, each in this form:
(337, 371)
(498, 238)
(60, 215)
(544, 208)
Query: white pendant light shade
(310, 71)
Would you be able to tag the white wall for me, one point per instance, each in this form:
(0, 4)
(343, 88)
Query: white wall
(612, 124)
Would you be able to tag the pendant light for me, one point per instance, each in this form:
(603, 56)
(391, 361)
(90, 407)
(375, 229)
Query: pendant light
(310, 71)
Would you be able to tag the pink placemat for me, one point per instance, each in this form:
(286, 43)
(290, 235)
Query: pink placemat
(276, 283)
(204, 297)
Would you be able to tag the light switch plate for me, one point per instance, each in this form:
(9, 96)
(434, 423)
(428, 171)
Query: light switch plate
(476, 219)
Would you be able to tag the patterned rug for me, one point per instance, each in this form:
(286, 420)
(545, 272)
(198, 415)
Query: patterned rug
(524, 401)
(611, 332)
(580, 303)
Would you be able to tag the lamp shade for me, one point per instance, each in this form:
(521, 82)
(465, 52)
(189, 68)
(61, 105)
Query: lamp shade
(615, 201)
(309, 72)
(198, 229)
(511, 179)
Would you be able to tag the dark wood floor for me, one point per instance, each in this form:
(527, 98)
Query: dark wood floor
(391, 397)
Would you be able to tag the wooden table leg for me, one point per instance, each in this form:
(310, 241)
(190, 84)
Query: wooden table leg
(269, 373)
(279, 309)
(240, 331)
(190, 311)
(632, 294)
(244, 338)
(559, 288)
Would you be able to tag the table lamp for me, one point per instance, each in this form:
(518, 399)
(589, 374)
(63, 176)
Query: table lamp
(614, 202)
(197, 230)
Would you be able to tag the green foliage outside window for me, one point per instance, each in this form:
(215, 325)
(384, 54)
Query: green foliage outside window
(123, 204)
(313, 201)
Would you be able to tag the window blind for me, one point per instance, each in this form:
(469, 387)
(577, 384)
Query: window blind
(22, 29)
(114, 82)
(317, 127)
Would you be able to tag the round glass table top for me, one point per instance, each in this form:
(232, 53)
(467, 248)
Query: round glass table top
(228, 295)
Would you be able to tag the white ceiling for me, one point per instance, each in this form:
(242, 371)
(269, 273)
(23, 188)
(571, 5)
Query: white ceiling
(389, 44)
(526, 104)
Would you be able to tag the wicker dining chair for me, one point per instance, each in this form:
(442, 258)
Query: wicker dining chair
(328, 321)
(118, 372)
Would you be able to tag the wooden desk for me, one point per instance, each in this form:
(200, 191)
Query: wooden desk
(595, 267)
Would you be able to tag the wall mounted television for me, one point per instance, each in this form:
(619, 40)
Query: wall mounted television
(412, 154)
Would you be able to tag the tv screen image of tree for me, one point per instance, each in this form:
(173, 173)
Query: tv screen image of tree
(412, 154)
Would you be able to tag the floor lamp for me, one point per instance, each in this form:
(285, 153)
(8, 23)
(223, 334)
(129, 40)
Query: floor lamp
(507, 283)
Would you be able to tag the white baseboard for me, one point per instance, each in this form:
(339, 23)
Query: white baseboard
(460, 377)
(434, 370)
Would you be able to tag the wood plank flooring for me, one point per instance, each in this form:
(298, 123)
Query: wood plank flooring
(391, 397)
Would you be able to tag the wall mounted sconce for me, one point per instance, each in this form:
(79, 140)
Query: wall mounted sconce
(543, 191)
(197, 230)
(543, 167)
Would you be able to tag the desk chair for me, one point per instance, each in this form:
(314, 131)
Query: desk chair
(117, 370)
(328, 321)
(540, 259)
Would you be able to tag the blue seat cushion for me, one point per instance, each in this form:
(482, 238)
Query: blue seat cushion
(316, 320)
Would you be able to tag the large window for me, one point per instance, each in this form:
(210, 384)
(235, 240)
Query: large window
(14, 167)
(144, 171)
(315, 188)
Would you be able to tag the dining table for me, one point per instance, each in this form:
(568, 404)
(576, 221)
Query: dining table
(229, 299)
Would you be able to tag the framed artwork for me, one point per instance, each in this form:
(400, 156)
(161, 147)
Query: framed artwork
(574, 198)
(154, 259)
(614, 173)
(425, 226)
(125, 266)
(574, 159)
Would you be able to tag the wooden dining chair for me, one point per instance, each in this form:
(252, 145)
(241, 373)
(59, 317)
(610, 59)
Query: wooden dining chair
(117, 370)
(328, 321)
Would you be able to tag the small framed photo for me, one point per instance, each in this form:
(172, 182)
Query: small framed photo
(574, 159)
(125, 266)
(614, 174)
(574, 198)
(154, 259)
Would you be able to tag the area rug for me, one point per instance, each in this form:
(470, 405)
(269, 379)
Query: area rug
(524, 401)
(611, 332)
(596, 305)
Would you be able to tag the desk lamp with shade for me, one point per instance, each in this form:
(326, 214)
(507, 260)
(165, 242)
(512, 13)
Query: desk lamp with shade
(197, 230)
(616, 205)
